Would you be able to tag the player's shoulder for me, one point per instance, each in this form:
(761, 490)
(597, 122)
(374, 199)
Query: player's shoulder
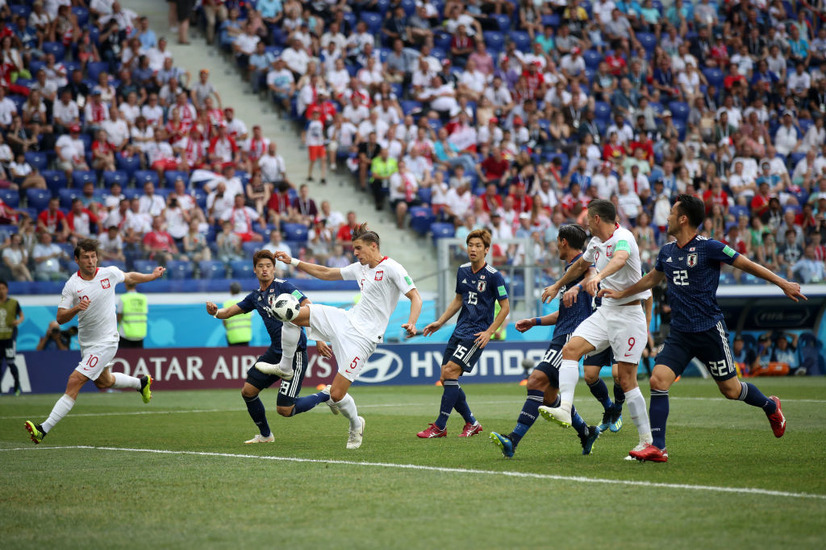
(621, 233)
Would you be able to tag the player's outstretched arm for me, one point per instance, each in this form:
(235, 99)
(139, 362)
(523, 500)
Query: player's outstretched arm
(524, 325)
(789, 288)
(224, 312)
(651, 279)
(577, 268)
(64, 315)
(133, 277)
(415, 309)
(318, 271)
(452, 308)
(616, 263)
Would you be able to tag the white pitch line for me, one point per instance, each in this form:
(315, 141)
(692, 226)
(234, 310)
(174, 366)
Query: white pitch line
(528, 475)
(131, 413)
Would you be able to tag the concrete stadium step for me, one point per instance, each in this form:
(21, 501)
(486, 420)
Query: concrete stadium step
(415, 253)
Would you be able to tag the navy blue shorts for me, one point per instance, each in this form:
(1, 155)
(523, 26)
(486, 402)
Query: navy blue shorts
(288, 392)
(552, 359)
(462, 351)
(605, 358)
(711, 347)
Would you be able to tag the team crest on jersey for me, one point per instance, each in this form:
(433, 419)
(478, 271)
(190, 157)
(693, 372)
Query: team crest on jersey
(379, 275)
(481, 286)
(691, 260)
(104, 283)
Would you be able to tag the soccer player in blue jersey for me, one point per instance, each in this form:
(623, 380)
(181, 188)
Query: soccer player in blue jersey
(478, 288)
(543, 383)
(691, 267)
(288, 403)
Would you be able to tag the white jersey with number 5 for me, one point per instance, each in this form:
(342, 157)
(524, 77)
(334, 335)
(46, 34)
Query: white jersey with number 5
(98, 324)
(381, 288)
(600, 253)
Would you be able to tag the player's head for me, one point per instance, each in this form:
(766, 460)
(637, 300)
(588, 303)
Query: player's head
(263, 265)
(571, 237)
(478, 244)
(366, 243)
(601, 211)
(692, 208)
(86, 255)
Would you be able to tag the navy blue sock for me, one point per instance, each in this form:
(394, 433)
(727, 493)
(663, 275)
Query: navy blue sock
(578, 423)
(14, 372)
(754, 397)
(463, 408)
(619, 395)
(304, 404)
(557, 402)
(258, 414)
(600, 391)
(658, 413)
(527, 416)
(450, 395)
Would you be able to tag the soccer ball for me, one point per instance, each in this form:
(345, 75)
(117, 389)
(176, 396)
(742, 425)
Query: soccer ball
(285, 307)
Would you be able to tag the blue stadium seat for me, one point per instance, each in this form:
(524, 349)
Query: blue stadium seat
(714, 77)
(442, 230)
(679, 110)
(20, 10)
(82, 15)
(113, 263)
(551, 20)
(55, 48)
(410, 107)
(522, 40)
(295, 232)
(602, 111)
(131, 193)
(425, 195)
(212, 269)
(115, 176)
(172, 175)
(200, 198)
(55, 179)
(502, 21)
(11, 197)
(805, 124)
(592, 59)
(94, 68)
(80, 177)
(495, 42)
(39, 161)
(130, 165)
(145, 266)
(421, 219)
(374, 21)
(648, 41)
(66, 197)
(442, 40)
(143, 176)
(241, 269)
(382, 6)
(38, 198)
(409, 7)
(681, 128)
(180, 269)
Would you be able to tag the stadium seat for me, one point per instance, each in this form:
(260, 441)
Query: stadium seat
(421, 219)
(410, 107)
(20, 10)
(94, 68)
(374, 21)
(55, 180)
(425, 195)
(438, 53)
(442, 230)
(502, 21)
(495, 42)
(145, 266)
(55, 48)
(679, 110)
(592, 59)
(648, 41)
(11, 197)
(714, 77)
(295, 232)
(522, 40)
(212, 269)
(409, 7)
(39, 161)
(241, 269)
(82, 15)
(180, 269)
(681, 128)
(551, 20)
(115, 176)
(113, 263)
(382, 6)
(172, 175)
(128, 164)
(143, 176)
(602, 111)
(200, 198)
(804, 124)
(442, 40)
(66, 197)
(80, 177)
(38, 198)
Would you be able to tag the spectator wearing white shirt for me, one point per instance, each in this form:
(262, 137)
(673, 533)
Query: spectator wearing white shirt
(47, 256)
(272, 165)
(296, 58)
(787, 137)
(71, 152)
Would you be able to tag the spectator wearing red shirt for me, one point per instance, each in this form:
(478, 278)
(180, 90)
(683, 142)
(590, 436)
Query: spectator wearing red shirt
(734, 76)
(53, 221)
(569, 201)
(715, 195)
(159, 245)
(8, 215)
(278, 207)
(103, 152)
(344, 235)
(222, 148)
(521, 201)
(735, 240)
(760, 201)
(616, 63)
(491, 201)
(534, 80)
(325, 107)
(80, 220)
(494, 168)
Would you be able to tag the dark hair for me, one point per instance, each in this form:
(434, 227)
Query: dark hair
(361, 233)
(573, 234)
(4, 283)
(482, 234)
(692, 207)
(261, 255)
(604, 209)
(86, 245)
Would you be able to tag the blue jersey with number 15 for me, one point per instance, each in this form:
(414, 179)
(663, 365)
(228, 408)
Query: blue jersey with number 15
(693, 273)
(479, 292)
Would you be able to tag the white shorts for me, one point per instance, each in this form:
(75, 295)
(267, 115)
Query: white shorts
(96, 358)
(351, 349)
(621, 327)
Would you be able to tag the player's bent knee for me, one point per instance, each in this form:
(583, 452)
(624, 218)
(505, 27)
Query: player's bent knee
(285, 411)
(249, 391)
(537, 382)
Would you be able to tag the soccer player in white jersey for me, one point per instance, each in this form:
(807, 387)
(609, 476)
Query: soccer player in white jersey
(355, 333)
(90, 294)
(616, 323)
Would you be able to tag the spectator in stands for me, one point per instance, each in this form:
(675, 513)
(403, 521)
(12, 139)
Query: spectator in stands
(195, 243)
(16, 259)
(56, 339)
(176, 219)
(103, 152)
(111, 245)
(47, 257)
(53, 221)
(158, 244)
(276, 244)
(82, 222)
(242, 218)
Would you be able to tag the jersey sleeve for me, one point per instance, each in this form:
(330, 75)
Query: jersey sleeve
(117, 275)
(401, 279)
(590, 254)
(67, 297)
(658, 265)
(715, 250)
(352, 272)
(248, 303)
(500, 290)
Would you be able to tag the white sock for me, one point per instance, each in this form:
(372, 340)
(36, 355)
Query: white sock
(639, 414)
(568, 377)
(290, 335)
(61, 409)
(347, 406)
(123, 381)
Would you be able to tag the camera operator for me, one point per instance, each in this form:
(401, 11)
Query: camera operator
(56, 339)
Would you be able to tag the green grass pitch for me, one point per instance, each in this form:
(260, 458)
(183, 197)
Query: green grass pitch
(94, 483)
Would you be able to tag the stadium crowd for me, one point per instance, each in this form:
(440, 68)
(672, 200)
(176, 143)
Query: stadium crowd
(454, 115)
